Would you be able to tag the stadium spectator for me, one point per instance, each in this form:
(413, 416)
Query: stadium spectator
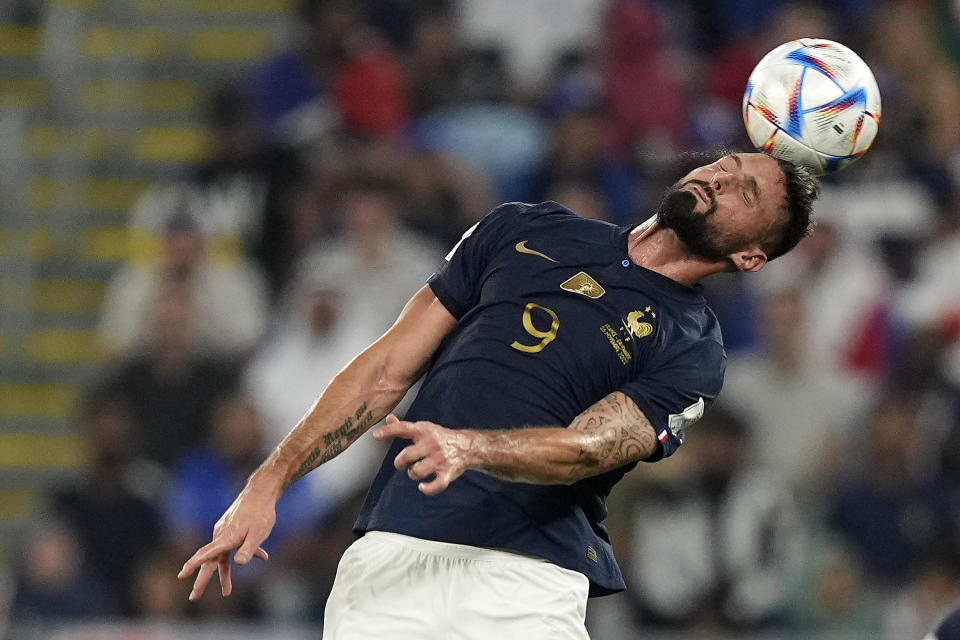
(799, 409)
(154, 596)
(205, 479)
(714, 546)
(113, 509)
(174, 385)
(834, 596)
(376, 262)
(579, 153)
(582, 197)
(486, 129)
(894, 508)
(442, 195)
(339, 72)
(230, 299)
(846, 287)
(647, 109)
(315, 339)
(52, 582)
(433, 60)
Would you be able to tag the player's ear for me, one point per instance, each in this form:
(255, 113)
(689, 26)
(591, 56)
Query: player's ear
(750, 259)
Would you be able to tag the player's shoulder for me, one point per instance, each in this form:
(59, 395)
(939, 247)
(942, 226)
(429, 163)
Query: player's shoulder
(526, 212)
(692, 335)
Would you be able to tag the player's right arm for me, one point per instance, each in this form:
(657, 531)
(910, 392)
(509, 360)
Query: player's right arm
(357, 398)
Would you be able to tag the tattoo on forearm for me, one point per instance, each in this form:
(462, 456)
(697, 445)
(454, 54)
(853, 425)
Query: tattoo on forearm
(620, 433)
(334, 442)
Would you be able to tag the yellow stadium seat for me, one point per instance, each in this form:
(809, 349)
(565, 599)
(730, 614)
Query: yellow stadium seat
(37, 242)
(243, 6)
(22, 92)
(228, 45)
(97, 94)
(98, 194)
(112, 244)
(95, 142)
(114, 194)
(40, 242)
(106, 244)
(25, 400)
(172, 144)
(76, 4)
(35, 451)
(65, 346)
(68, 296)
(18, 504)
(171, 95)
(277, 7)
(45, 140)
(51, 141)
(48, 193)
(20, 41)
(148, 44)
(102, 43)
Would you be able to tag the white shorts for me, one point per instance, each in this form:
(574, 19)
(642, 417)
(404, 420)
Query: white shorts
(394, 587)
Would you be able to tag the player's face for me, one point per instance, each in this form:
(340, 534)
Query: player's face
(727, 206)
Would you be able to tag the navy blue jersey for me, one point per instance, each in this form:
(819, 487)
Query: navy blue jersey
(551, 317)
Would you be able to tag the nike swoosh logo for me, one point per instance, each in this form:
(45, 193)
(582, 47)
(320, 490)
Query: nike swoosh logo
(522, 248)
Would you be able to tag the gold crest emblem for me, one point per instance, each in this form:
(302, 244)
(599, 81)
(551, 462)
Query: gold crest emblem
(637, 326)
(584, 285)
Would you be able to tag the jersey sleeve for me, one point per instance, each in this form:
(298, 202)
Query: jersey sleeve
(674, 396)
(457, 282)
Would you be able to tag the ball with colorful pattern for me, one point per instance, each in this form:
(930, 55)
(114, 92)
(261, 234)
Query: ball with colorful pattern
(814, 102)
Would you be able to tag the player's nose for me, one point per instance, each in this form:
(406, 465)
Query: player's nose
(722, 181)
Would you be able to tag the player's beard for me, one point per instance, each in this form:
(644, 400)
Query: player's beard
(695, 230)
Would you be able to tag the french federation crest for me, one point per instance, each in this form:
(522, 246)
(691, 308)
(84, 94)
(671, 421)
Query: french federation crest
(638, 322)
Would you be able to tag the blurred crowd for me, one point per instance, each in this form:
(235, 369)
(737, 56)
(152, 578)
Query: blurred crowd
(821, 494)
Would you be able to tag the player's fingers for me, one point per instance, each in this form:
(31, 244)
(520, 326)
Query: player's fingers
(250, 549)
(223, 568)
(204, 554)
(421, 469)
(395, 429)
(437, 485)
(409, 455)
(207, 552)
(392, 418)
(433, 487)
(200, 585)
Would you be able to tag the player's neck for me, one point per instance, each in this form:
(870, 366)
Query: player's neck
(660, 250)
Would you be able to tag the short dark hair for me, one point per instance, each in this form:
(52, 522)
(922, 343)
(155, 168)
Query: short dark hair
(803, 187)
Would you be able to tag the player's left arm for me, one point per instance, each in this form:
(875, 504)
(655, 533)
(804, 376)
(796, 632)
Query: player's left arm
(609, 434)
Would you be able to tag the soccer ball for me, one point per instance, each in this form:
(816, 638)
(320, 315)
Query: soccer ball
(813, 102)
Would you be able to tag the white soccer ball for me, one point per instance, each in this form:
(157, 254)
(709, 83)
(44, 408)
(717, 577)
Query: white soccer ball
(813, 102)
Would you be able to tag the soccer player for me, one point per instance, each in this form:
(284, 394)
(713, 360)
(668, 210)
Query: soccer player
(558, 352)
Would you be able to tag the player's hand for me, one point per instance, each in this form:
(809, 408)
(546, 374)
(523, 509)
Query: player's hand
(244, 526)
(436, 451)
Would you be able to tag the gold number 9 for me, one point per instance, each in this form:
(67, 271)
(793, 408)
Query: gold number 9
(546, 337)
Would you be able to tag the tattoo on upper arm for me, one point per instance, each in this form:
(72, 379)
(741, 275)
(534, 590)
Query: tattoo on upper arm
(620, 434)
(335, 442)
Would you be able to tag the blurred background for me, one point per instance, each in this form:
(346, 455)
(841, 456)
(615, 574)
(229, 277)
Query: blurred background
(209, 206)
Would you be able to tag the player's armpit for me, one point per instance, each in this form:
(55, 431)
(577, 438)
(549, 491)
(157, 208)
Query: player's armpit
(614, 432)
